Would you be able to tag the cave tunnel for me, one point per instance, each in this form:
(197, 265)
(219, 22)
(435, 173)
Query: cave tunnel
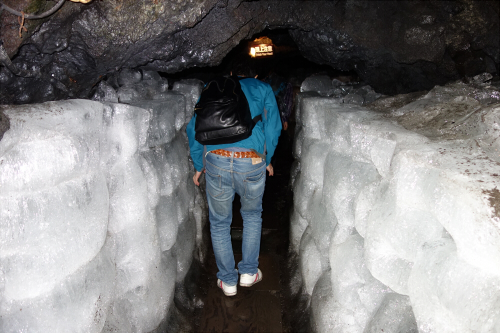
(384, 210)
(287, 61)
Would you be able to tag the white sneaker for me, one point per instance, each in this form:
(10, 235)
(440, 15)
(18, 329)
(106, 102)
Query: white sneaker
(248, 280)
(227, 290)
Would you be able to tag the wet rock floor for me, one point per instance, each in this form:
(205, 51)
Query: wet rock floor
(264, 306)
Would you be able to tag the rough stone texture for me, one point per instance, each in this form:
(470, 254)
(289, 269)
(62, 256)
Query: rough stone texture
(9, 33)
(4, 124)
(416, 44)
(394, 46)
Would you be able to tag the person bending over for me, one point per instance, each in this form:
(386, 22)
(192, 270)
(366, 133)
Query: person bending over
(239, 168)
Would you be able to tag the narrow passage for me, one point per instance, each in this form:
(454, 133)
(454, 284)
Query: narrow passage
(258, 308)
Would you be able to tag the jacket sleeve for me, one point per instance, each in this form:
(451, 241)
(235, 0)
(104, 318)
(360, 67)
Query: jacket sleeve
(272, 123)
(195, 148)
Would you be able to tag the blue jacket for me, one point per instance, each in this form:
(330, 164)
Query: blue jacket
(259, 95)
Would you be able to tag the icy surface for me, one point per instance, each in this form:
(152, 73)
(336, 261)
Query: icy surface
(98, 217)
(320, 83)
(396, 217)
(347, 93)
(131, 85)
(191, 88)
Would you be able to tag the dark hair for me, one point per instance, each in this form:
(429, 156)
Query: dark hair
(243, 68)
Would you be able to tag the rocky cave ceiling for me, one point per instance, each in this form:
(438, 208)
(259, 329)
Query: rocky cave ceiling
(394, 46)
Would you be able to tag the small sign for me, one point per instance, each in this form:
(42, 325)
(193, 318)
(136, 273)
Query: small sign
(261, 47)
(261, 50)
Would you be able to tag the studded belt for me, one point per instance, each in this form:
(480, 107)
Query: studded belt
(237, 154)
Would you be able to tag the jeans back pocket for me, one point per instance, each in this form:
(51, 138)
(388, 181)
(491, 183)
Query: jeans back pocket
(255, 184)
(214, 184)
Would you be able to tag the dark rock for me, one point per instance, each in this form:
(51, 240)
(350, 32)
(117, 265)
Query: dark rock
(105, 93)
(129, 77)
(4, 124)
(393, 46)
(355, 99)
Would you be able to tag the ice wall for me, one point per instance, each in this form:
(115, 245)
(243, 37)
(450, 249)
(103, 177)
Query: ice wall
(396, 215)
(98, 218)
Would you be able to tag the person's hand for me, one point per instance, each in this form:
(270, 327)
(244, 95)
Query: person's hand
(285, 125)
(270, 169)
(196, 178)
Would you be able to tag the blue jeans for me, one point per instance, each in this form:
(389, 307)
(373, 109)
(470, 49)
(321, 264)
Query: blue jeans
(226, 176)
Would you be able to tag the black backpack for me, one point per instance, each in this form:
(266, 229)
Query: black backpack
(222, 113)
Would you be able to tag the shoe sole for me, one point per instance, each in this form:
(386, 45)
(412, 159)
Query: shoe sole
(259, 278)
(225, 293)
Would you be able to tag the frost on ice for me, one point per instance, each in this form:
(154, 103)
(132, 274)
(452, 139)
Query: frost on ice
(98, 217)
(396, 209)
(396, 216)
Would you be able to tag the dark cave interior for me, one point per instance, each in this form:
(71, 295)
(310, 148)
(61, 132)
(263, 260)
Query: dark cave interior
(287, 61)
(395, 47)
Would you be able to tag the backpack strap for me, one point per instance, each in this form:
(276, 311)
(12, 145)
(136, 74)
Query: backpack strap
(265, 150)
